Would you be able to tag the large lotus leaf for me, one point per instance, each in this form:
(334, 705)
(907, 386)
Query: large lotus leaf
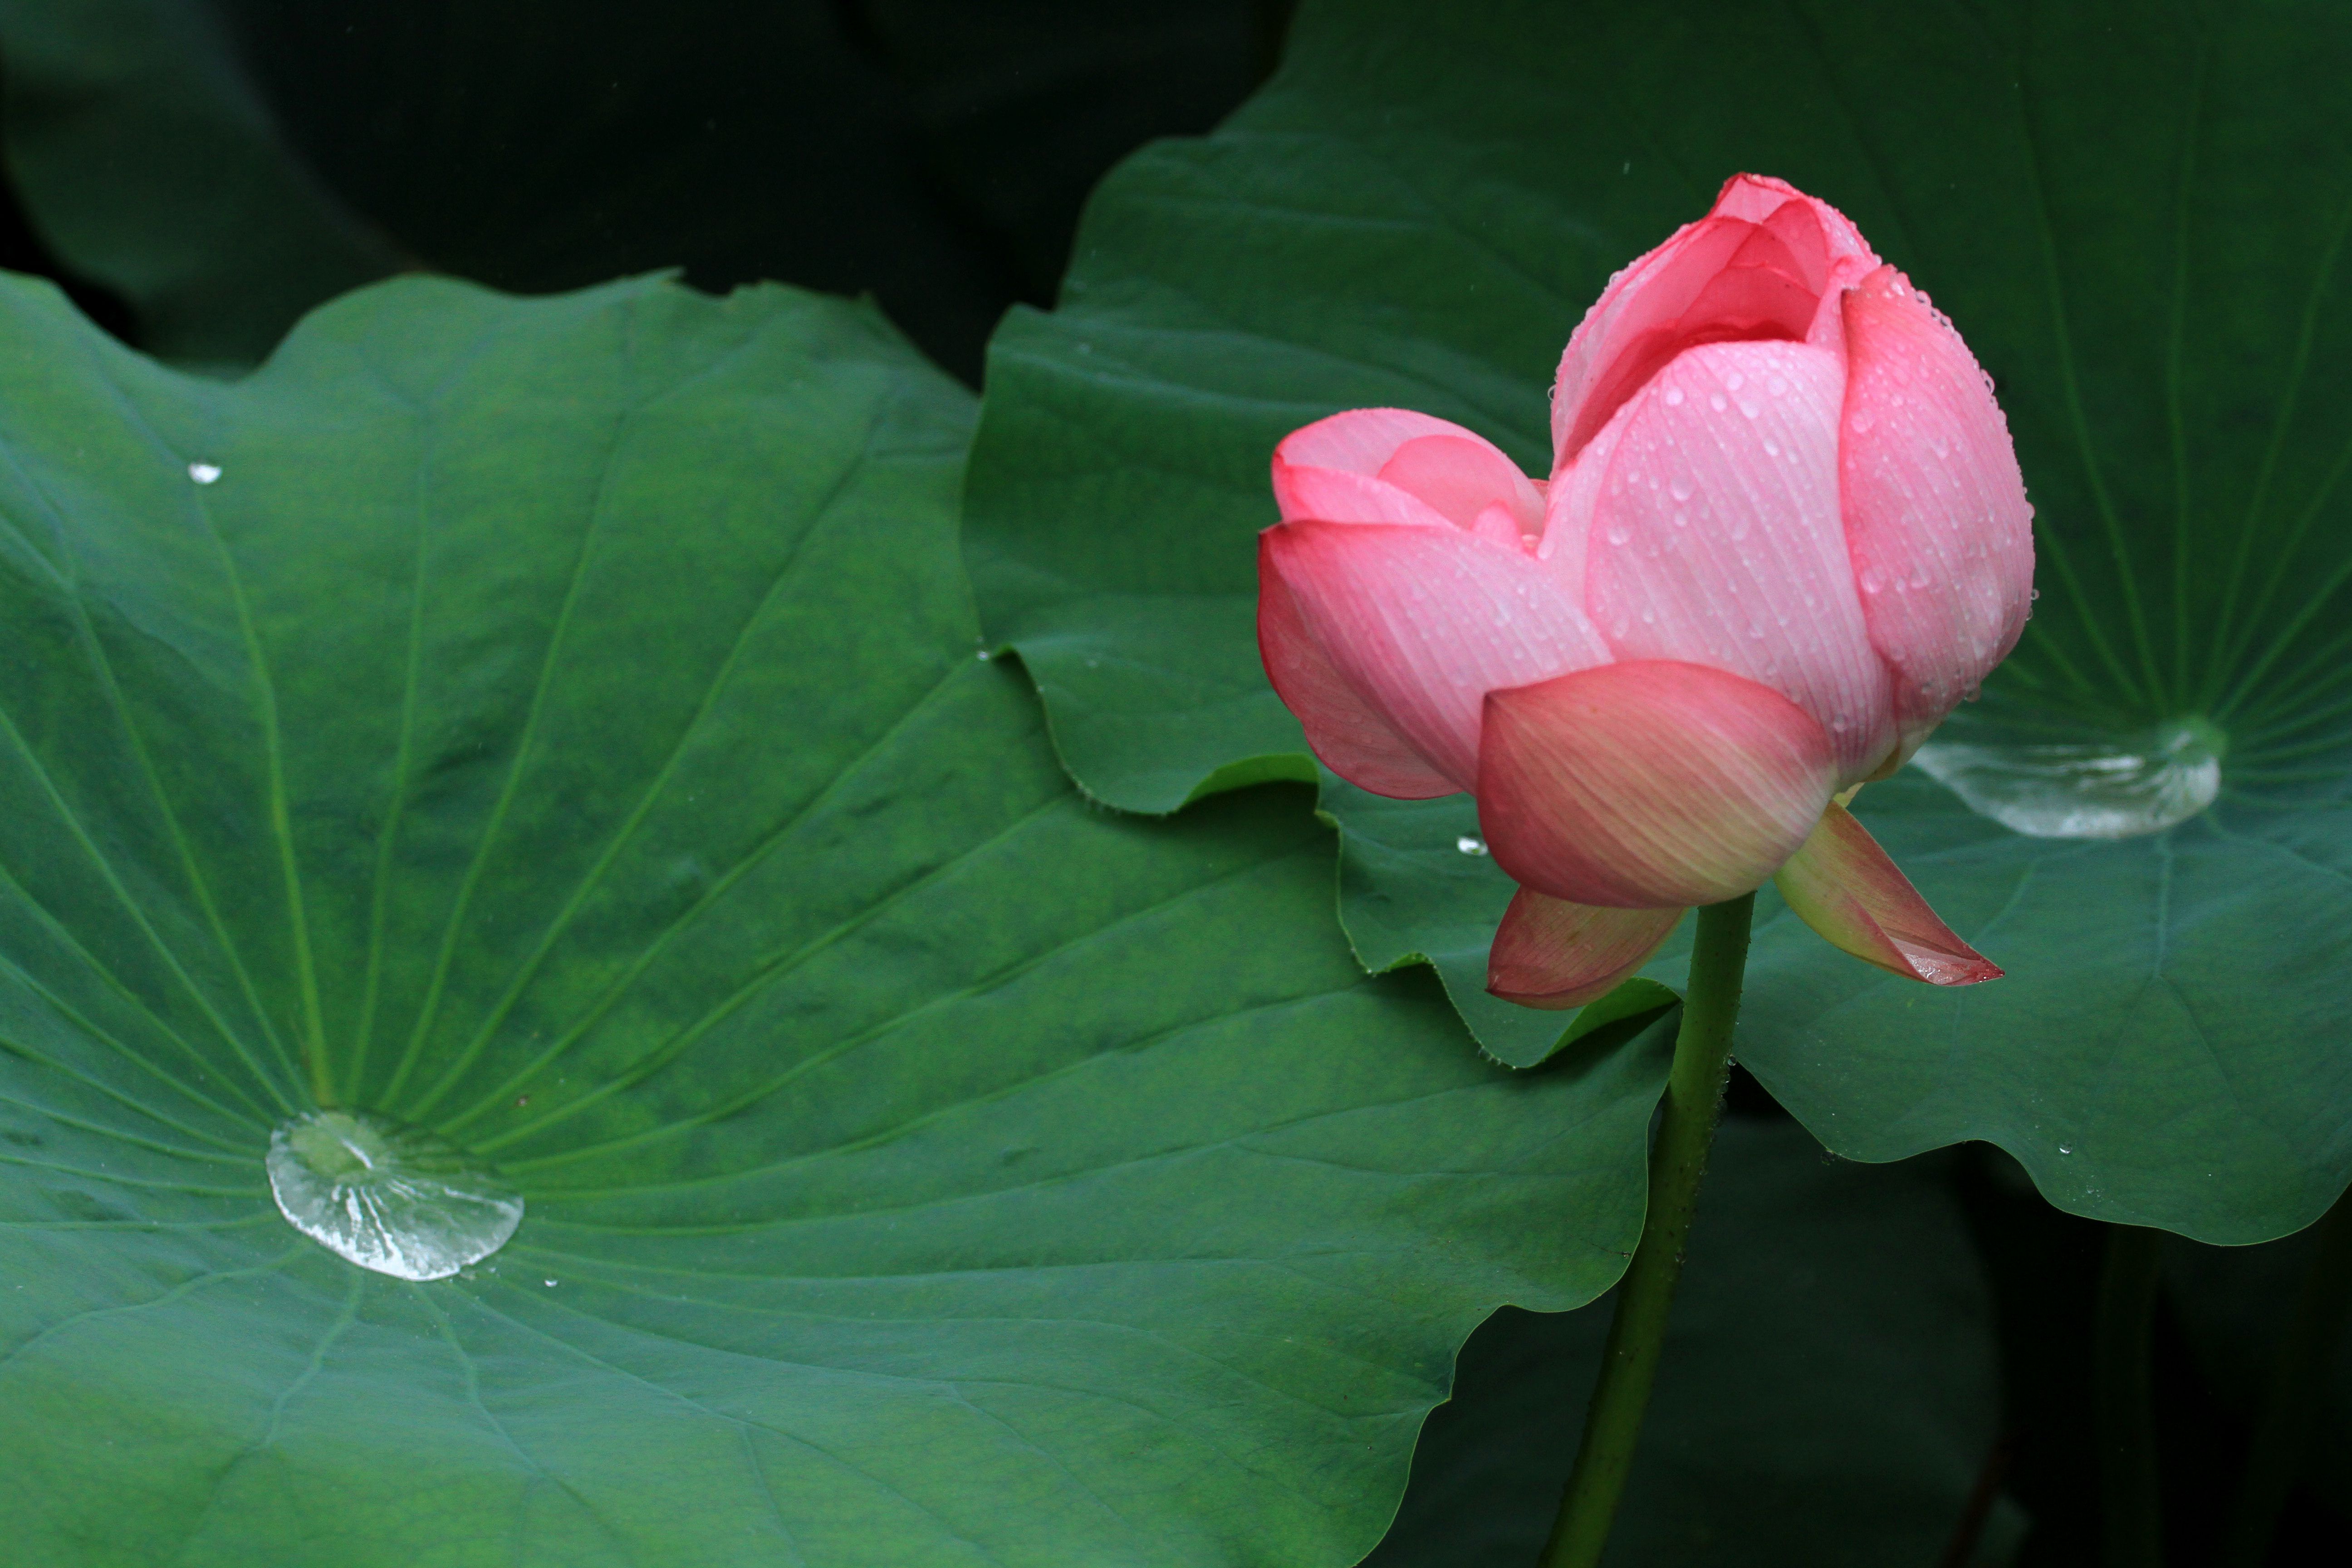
(558, 725)
(2137, 218)
(148, 163)
(1831, 1358)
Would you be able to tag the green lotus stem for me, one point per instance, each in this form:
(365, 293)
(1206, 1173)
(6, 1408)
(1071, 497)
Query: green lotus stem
(2283, 1430)
(2131, 1499)
(1612, 1422)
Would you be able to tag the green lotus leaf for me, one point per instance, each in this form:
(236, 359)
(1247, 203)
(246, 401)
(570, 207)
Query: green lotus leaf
(552, 733)
(2137, 219)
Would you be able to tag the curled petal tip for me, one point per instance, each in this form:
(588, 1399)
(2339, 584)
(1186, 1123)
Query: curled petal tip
(1845, 886)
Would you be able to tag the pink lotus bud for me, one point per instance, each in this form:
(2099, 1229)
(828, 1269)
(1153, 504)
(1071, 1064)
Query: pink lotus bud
(1784, 532)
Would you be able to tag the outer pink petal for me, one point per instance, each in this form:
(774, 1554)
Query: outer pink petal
(1331, 471)
(1354, 739)
(1714, 536)
(1935, 514)
(1648, 785)
(1844, 886)
(1656, 289)
(1552, 954)
(1418, 625)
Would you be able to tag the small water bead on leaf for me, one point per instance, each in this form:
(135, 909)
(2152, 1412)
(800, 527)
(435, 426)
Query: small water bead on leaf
(203, 473)
(1469, 845)
(2103, 788)
(395, 1200)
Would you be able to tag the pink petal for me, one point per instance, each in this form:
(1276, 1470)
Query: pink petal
(1347, 468)
(1935, 514)
(1462, 476)
(1714, 536)
(1415, 625)
(1760, 198)
(1634, 327)
(1791, 246)
(1648, 785)
(1844, 886)
(1555, 955)
(1351, 737)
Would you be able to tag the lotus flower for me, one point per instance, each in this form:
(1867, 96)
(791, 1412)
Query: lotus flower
(1783, 535)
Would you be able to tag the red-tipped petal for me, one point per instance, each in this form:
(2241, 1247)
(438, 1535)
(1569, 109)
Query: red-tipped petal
(1844, 886)
(1667, 300)
(1554, 954)
(1653, 785)
(1935, 514)
(1384, 640)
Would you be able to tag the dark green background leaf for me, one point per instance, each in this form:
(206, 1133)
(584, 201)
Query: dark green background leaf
(151, 166)
(2139, 219)
(558, 724)
(206, 157)
(1826, 1398)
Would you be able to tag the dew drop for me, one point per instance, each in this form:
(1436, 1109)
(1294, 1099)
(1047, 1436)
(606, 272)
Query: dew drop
(1734, 381)
(1618, 534)
(203, 473)
(1777, 386)
(1680, 490)
(1681, 518)
(1716, 401)
(2066, 1148)
(2098, 787)
(1673, 398)
(1771, 449)
(1469, 845)
(1751, 407)
(397, 1200)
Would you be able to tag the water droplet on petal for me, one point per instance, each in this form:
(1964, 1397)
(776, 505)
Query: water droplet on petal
(1618, 534)
(1680, 490)
(1673, 398)
(1734, 381)
(1716, 401)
